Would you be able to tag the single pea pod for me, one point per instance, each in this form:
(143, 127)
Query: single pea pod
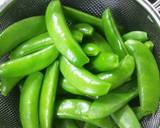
(112, 34)
(126, 118)
(29, 64)
(61, 35)
(85, 28)
(66, 123)
(147, 74)
(77, 109)
(120, 75)
(7, 84)
(29, 100)
(105, 61)
(149, 45)
(91, 49)
(48, 95)
(136, 35)
(20, 32)
(83, 80)
(106, 105)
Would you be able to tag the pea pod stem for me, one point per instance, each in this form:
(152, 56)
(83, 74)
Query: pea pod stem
(61, 35)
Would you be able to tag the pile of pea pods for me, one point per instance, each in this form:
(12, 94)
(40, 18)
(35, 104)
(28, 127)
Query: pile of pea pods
(75, 70)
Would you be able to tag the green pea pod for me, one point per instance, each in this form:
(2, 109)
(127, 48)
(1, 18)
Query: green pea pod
(106, 105)
(82, 17)
(48, 94)
(61, 35)
(120, 75)
(149, 45)
(105, 61)
(125, 118)
(84, 81)
(91, 49)
(87, 125)
(136, 35)
(21, 31)
(77, 109)
(112, 34)
(29, 64)
(29, 101)
(147, 74)
(7, 84)
(85, 28)
(77, 35)
(139, 113)
(66, 123)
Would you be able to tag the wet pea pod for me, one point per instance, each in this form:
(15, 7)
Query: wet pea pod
(20, 32)
(106, 105)
(136, 35)
(29, 64)
(126, 118)
(112, 34)
(147, 74)
(48, 95)
(61, 35)
(120, 75)
(83, 80)
(84, 28)
(29, 100)
(77, 109)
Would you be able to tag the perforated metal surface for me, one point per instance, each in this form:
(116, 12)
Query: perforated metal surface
(127, 13)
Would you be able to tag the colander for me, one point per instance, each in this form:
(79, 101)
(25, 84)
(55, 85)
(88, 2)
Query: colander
(132, 14)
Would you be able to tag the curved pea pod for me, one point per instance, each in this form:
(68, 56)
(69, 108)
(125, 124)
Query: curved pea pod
(33, 45)
(125, 118)
(29, 101)
(61, 35)
(112, 34)
(83, 80)
(7, 84)
(77, 109)
(20, 32)
(85, 28)
(105, 61)
(66, 123)
(120, 75)
(29, 64)
(149, 45)
(48, 94)
(106, 105)
(136, 35)
(77, 35)
(147, 74)
(91, 49)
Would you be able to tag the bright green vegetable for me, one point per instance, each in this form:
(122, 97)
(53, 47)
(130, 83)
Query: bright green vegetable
(91, 49)
(149, 45)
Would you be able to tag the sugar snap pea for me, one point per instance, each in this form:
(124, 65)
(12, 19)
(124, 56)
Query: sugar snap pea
(77, 35)
(61, 35)
(29, 100)
(149, 45)
(83, 80)
(48, 95)
(147, 74)
(29, 64)
(21, 31)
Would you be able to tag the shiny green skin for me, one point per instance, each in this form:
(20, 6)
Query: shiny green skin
(82, 17)
(149, 45)
(126, 118)
(136, 35)
(147, 74)
(61, 35)
(106, 105)
(120, 75)
(7, 84)
(91, 49)
(112, 34)
(20, 32)
(77, 35)
(105, 61)
(48, 95)
(66, 123)
(83, 80)
(29, 101)
(77, 109)
(29, 64)
(85, 28)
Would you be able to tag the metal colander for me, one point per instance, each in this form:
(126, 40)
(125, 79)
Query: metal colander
(132, 14)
